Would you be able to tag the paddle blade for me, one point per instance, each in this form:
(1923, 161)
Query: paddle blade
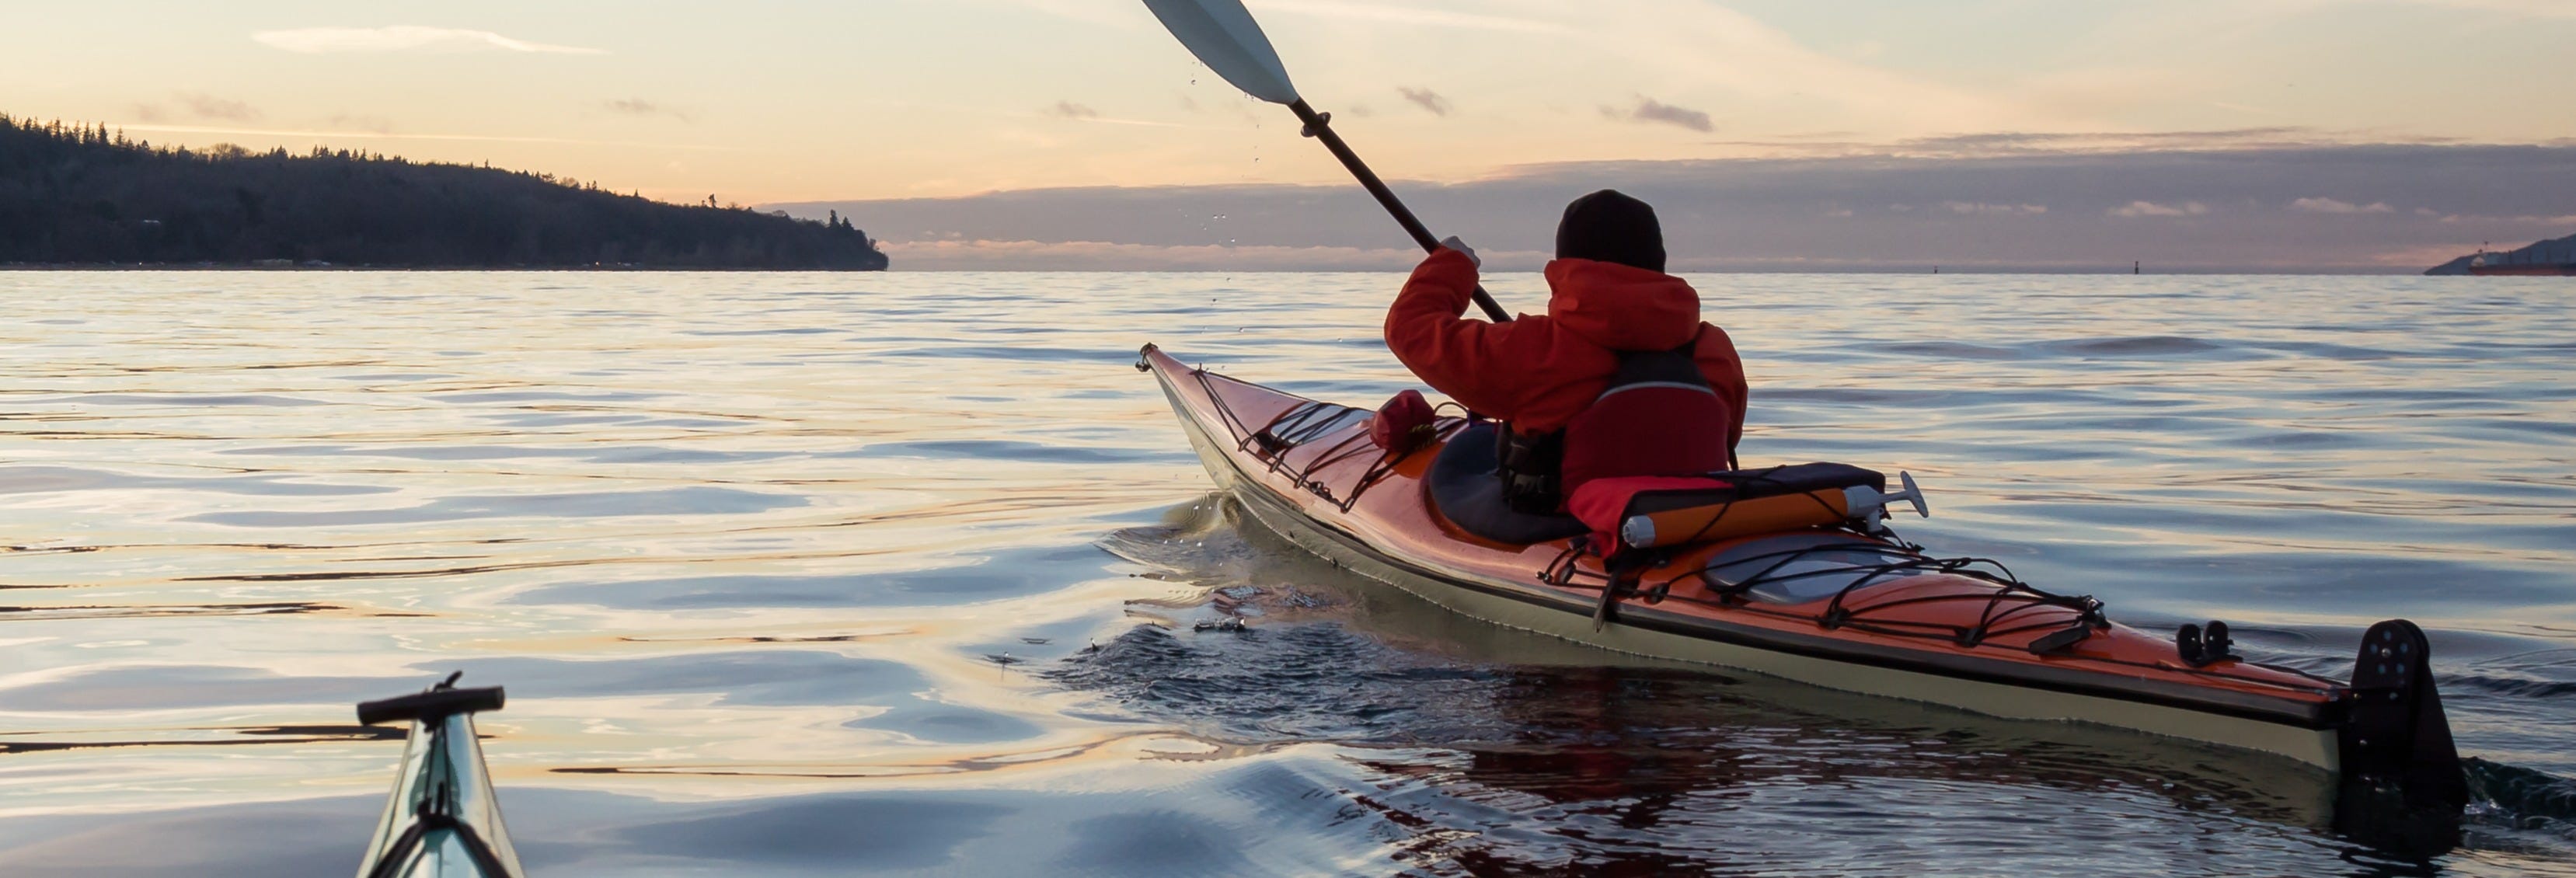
(1226, 39)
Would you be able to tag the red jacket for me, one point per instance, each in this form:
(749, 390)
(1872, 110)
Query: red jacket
(1539, 372)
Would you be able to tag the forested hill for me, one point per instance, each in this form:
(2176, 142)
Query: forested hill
(84, 196)
(2557, 251)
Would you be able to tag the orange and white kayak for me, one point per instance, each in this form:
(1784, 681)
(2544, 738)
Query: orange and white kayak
(1846, 606)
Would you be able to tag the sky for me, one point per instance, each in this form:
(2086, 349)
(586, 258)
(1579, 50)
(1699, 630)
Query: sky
(775, 102)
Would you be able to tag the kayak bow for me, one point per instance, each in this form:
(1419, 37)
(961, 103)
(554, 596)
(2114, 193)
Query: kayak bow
(442, 819)
(1856, 609)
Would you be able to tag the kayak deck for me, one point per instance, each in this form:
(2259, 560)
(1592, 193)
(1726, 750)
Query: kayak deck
(1912, 627)
(442, 820)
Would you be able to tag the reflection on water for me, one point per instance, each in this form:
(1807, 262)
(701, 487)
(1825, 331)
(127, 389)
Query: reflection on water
(817, 574)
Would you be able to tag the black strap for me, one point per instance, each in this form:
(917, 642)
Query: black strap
(1532, 467)
(1672, 367)
(399, 854)
(1627, 568)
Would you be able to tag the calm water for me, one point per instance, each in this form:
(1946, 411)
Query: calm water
(818, 574)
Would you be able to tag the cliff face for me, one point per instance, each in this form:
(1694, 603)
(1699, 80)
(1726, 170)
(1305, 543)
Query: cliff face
(2556, 251)
(84, 196)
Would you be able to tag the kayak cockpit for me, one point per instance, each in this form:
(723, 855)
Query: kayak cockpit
(1466, 487)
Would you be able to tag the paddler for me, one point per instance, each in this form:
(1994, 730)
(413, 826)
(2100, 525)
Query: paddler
(1620, 380)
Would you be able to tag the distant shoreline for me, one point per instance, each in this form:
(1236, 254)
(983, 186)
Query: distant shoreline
(85, 197)
(1945, 272)
(639, 269)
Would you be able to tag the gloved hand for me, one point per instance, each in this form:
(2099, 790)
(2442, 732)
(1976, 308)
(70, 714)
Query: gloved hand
(1453, 243)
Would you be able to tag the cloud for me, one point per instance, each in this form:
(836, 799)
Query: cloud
(1088, 114)
(1707, 49)
(1998, 144)
(2528, 8)
(1085, 113)
(640, 107)
(1995, 209)
(299, 134)
(2149, 208)
(403, 38)
(1695, 50)
(1427, 99)
(2176, 209)
(2538, 220)
(2025, 142)
(2329, 205)
(1122, 16)
(1651, 110)
(200, 106)
(1391, 14)
(207, 106)
(363, 122)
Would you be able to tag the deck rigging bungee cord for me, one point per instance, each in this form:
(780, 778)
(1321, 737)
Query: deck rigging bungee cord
(2013, 607)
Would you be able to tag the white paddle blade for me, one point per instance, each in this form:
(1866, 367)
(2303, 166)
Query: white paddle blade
(1226, 39)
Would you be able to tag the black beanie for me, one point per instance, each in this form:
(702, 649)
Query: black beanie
(1606, 226)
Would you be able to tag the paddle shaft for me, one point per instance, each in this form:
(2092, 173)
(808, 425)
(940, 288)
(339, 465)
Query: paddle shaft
(1320, 127)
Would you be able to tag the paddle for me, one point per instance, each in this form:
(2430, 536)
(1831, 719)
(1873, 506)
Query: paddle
(1225, 38)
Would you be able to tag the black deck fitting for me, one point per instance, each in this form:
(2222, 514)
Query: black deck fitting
(438, 702)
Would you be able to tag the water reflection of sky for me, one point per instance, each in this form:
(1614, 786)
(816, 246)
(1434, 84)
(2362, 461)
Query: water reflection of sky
(794, 574)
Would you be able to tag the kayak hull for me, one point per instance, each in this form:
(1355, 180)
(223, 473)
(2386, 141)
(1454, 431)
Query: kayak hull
(2298, 722)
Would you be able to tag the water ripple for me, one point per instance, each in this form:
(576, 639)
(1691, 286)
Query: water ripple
(796, 574)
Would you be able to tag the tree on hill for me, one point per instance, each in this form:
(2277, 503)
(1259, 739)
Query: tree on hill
(85, 195)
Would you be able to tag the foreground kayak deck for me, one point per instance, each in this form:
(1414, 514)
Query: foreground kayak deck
(1918, 629)
(442, 820)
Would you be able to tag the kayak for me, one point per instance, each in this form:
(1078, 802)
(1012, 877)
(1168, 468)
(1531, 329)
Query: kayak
(1846, 605)
(442, 820)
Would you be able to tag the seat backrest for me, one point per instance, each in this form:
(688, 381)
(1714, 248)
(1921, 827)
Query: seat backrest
(1659, 417)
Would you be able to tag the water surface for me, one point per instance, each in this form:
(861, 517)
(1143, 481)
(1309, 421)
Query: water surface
(882, 574)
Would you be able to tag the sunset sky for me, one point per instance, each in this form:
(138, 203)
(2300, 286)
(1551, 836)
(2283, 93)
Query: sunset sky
(856, 100)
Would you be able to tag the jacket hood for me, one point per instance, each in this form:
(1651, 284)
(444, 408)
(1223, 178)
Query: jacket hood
(1621, 307)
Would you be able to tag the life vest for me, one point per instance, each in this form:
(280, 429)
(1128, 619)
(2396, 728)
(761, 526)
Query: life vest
(1659, 416)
